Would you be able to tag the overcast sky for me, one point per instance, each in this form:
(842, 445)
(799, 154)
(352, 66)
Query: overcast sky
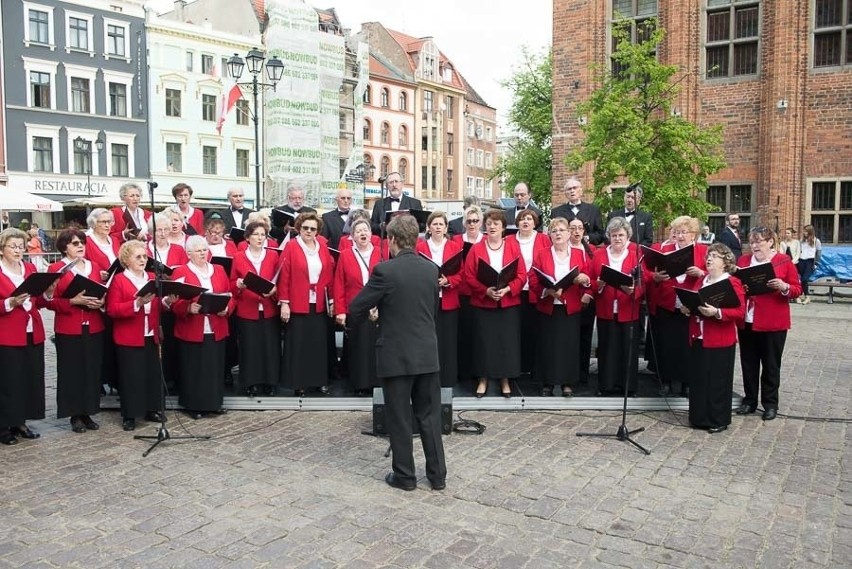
(483, 39)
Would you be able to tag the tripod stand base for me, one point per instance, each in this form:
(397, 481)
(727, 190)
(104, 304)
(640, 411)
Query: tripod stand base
(623, 434)
(163, 435)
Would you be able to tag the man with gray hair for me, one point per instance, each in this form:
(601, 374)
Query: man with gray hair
(576, 208)
(640, 221)
(236, 214)
(294, 206)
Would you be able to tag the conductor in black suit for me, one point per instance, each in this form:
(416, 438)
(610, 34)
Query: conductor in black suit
(395, 201)
(236, 215)
(405, 291)
(730, 236)
(333, 221)
(522, 202)
(576, 208)
(640, 221)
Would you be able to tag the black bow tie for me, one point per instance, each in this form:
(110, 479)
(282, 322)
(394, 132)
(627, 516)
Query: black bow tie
(395, 200)
(343, 212)
(629, 212)
(240, 210)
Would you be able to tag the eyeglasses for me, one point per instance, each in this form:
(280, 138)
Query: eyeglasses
(576, 228)
(683, 232)
(77, 242)
(16, 247)
(109, 221)
(760, 230)
(558, 230)
(139, 257)
(308, 228)
(199, 251)
(471, 221)
(757, 241)
(219, 233)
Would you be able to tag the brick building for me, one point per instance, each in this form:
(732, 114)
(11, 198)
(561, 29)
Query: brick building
(776, 74)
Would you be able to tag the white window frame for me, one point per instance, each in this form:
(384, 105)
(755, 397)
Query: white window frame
(470, 156)
(51, 37)
(488, 133)
(470, 185)
(40, 66)
(212, 72)
(46, 131)
(248, 148)
(181, 145)
(216, 103)
(118, 77)
(118, 24)
(81, 72)
(174, 137)
(480, 158)
(208, 140)
(489, 160)
(480, 187)
(92, 137)
(90, 32)
(127, 138)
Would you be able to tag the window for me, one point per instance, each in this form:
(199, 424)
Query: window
(120, 160)
(384, 134)
(117, 100)
(830, 208)
(449, 181)
(733, 198)
(427, 101)
(116, 40)
(732, 38)
(424, 176)
(634, 17)
(172, 103)
(243, 113)
(174, 157)
(470, 157)
(832, 33)
(80, 95)
(207, 64)
(469, 185)
(480, 184)
(488, 160)
(385, 97)
(450, 106)
(403, 169)
(224, 68)
(480, 158)
(368, 161)
(429, 61)
(242, 162)
(368, 95)
(189, 57)
(471, 129)
(208, 107)
(447, 74)
(488, 133)
(434, 138)
(384, 168)
(403, 101)
(424, 140)
(208, 160)
(39, 27)
(78, 33)
(368, 131)
(42, 154)
(403, 136)
(83, 158)
(39, 89)
(449, 144)
(434, 183)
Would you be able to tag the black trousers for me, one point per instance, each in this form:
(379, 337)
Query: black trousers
(761, 349)
(423, 394)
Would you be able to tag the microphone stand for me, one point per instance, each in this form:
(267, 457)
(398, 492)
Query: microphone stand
(162, 431)
(383, 188)
(623, 433)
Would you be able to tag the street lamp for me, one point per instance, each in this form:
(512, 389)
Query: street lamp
(359, 174)
(85, 145)
(274, 71)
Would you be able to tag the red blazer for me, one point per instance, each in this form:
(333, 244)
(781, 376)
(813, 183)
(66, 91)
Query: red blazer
(464, 288)
(119, 226)
(230, 250)
(196, 220)
(628, 306)
(293, 284)
(69, 318)
(128, 324)
(449, 294)
(477, 289)
(772, 310)
(246, 300)
(347, 277)
(270, 242)
(175, 257)
(190, 327)
(94, 253)
(719, 333)
(13, 324)
(543, 261)
(662, 294)
(542, 242)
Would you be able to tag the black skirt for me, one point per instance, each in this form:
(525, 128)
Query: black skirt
(615, 359)
(202, 378)
(529, 334)
(558, 348)
(79, 360)
(447, 330)
(169, 350)
(711, 385)
(140, 381)
(305, 361)
(22, 387)
(260, 350)
(497, 342)
(671, 341)
(361, 354)
(109, 367)
(464, 347)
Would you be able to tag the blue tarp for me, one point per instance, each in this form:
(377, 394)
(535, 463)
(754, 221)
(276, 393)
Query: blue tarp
(836, 261)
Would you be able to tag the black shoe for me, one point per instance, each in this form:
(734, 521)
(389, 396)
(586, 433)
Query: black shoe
(547, 391)
(77, 425)
(769, 414)
(438, 484)
(567, 391)
(394, 482)
(299, 392)
(90, 424)
(154, 417)
(252, 391)
(270, 390)
(665, 390)
(324, 390)
(717, 429)
(7, 438)
(24, 432)
(684, 391)
(221, 411)
(746, 409)
(194, 415)
(128, 424)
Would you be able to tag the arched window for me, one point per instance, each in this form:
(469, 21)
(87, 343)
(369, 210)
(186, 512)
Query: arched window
(403, 101)
(403, 169)
(368, 161)
(368, 95)
(368, 131)
(385, 97)
(403, 136)
(385, 133)
(385, 167)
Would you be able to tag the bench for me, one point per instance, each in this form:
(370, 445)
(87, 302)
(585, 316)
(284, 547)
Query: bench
(831, 286)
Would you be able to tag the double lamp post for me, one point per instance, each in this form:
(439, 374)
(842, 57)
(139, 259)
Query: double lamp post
(84, 146)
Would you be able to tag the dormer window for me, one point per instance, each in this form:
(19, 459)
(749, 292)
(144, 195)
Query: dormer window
(429, 61)
(447, 74)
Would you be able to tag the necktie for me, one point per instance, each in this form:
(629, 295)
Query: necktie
(342, 212)
(395, 200)
(239, 211)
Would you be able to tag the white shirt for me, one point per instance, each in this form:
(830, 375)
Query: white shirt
(256, 262)
(616, 263)
(495, 258)
(527, 246)
(138, 219)
(139, 282)
(561, 268)
(217, 250)
(365, 257)
(205, 280)
(314, 267)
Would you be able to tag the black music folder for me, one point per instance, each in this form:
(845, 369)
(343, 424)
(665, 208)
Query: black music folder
(615, 278)
(224, 262)
(720, 294)
(282, 219)
(36, 284)
(451, 266)
(113, 269)
(754, 278)
(130, 223)
(182, 290)
(486, 274)
(551, 282)
(153, 265)
(421, 215)
(237, 235)
(85, 285)
(674, 263)
(466, 247)
(213, 302)
(258, 284)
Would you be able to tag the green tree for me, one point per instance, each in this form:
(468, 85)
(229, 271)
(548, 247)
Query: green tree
(631, 133)
(530, 156)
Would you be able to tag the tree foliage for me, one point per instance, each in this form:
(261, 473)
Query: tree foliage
(530, 157)
(632, 135)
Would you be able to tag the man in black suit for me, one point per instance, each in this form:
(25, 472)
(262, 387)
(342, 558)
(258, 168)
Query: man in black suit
(730, 236)
(333, 221)
(236, 215)
(640, 221)
(294, 206)
(405, 291)
(395, 201)
(522, 202)
(456, 226)
(576, 208)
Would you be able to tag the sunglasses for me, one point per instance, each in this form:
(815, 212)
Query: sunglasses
(471, 221)
(308, 228)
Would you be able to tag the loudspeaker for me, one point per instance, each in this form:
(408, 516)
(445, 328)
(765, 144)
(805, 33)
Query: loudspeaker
(379, 419)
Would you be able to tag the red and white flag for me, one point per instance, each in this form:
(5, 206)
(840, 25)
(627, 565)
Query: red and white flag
(230, 96)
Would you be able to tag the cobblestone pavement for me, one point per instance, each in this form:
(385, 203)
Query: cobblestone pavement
(305, 489)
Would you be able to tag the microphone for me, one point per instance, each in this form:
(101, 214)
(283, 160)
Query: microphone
(153, 185)
(382, 179)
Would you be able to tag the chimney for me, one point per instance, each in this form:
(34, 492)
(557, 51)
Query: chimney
(179, 10)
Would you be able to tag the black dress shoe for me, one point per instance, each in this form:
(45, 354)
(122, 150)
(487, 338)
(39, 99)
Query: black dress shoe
(547, 391)
(324, 390)
(717, 429)
(221, 411)
(684, 391)
(128, 424)
(299, 392)
(195, 415)
(393, 481)
(90, 424)
(769, 414)
(24, 432)
(746, 409)
(665, 390)
(438, 484)
(252, 391)
(7, 438)
(154, 417)
(77, 425)
(271, 390)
